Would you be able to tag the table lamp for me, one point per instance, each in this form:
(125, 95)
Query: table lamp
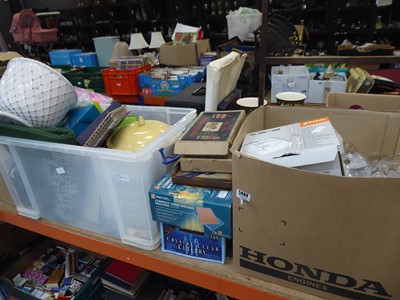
(156, 40)
(120, 49)
(137, 42)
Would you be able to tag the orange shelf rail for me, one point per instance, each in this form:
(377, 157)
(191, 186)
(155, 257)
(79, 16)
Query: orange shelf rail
(146, 260)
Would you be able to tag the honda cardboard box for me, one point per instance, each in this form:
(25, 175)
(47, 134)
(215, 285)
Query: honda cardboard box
(332, 236)
(183, 55)
(364, 101)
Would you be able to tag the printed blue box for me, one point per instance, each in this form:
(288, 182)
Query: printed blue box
(167, 87)
(190, 207)
(63, 57)
(191, 244)
(88, 59)
(80, 118)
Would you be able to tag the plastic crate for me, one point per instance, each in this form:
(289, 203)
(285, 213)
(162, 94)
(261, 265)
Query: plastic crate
(123, 82)
(97, 189)
(63, 56)
(88, 78)
(88, 59)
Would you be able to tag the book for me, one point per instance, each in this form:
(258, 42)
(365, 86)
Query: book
(130, 283)
(124, 271)
(98, 131)
(55, 278)
(204, 179)
(211, 134)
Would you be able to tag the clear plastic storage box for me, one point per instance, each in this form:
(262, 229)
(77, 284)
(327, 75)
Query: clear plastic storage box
(97, 189)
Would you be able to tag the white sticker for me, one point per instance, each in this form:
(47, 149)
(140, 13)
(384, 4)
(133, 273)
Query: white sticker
(123, 177)
(60, 170)
(222, 194)
(243, 196)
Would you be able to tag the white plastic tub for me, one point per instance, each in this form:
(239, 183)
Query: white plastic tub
(97, 189)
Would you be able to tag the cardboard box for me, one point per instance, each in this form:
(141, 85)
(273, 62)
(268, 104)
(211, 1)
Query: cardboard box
(327, 235)
(364, 101)
(183, 55)
(319, 89)
(191, 207)
(166, 87)
(192, 244)
(289, 79)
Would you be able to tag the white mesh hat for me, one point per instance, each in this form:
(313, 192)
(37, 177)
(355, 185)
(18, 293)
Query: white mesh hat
(35, 95)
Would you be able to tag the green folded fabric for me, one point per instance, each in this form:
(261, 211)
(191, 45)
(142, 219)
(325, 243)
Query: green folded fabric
(47, 134)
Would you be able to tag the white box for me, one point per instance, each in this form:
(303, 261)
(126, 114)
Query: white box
(289, 79)
(319, 89)
(308, 144)
(96, 189)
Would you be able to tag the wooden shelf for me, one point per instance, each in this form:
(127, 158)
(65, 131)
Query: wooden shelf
(331, 59)
(216, 277)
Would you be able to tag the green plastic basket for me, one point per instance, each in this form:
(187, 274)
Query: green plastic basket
(87, 78)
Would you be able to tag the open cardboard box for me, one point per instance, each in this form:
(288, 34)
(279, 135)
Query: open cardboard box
(366, 101)
(183, 55)
(328, 235)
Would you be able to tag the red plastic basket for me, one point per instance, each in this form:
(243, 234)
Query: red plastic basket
(122, 82)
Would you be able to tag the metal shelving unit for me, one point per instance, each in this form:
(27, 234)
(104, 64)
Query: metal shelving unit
(278, 60)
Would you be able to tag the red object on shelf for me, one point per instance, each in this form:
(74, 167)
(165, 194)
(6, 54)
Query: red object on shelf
(126, 99)
(122, 82)
(124, 271)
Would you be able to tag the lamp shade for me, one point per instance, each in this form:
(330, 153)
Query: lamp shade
(137, 42)
(121, 49)
(156, 40)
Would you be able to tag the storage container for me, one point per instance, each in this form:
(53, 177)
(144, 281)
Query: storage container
(96, 189)
(88, 78)
(122, 82)
(104, 48)
(63, 57)
(88, 59)
(89, 290)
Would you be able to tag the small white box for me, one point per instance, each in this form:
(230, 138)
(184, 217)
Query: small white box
(289, 79)
(319, 89)
(97, 189)
(303, 144)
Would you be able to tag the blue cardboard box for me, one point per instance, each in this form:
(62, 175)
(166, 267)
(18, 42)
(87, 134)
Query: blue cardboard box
(191, 244)
(63, 57)
(80, 118)
(166, 87)
(190, 207)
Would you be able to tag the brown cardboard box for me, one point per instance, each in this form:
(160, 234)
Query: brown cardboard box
(366, 101)
(183, 55)
(332, 236)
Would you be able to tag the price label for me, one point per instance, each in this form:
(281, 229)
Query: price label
(243, 196)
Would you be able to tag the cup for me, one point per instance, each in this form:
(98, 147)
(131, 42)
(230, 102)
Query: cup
(248, 104)
(290, 99)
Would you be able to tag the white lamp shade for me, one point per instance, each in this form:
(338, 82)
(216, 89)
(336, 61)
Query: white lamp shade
(156, 40)
(137, 42)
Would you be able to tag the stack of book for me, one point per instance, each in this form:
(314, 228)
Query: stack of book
(124, 278)
(205, 148)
